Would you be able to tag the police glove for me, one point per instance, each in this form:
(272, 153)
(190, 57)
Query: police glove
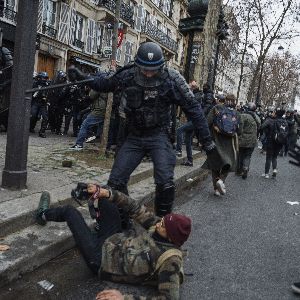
(75, 74)
(209, 147)
(295, 154)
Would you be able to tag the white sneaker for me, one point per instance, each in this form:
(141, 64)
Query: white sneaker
(274, 173)
(221, 187)
(217, 193)
(76, 147)
(267, 176)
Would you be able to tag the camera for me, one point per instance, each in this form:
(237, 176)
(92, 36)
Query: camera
(80, 192)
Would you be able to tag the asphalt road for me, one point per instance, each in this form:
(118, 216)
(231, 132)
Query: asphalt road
(244, 245)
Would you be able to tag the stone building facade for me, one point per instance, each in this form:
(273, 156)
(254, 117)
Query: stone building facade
(80, 31)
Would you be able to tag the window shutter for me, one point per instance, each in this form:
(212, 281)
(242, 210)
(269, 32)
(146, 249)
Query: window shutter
(72, 26)
(139, 18)
(40, 16)
(63, 32)
(90, 35)
(128, 52)
(168, 7)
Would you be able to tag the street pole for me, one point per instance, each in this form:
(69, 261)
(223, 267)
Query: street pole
(14, 174)
(109, 103)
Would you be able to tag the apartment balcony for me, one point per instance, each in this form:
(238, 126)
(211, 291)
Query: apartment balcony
(9, 15)
(159, 36)
(126, 12)
(50, 31)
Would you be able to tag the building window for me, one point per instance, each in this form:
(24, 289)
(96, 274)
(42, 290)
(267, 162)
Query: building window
(49, 13)
(128, 52)
(77, 30)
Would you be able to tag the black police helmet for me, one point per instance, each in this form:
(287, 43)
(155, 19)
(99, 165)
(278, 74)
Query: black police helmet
(42, 75)
(149, 56)
(61, 74)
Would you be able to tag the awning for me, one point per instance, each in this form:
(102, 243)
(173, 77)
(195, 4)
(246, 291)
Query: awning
(86, 62)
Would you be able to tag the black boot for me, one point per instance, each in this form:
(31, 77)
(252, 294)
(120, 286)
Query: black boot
(164, 199)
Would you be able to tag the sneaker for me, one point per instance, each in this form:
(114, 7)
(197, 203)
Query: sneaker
(296, 287)
(221, 187)
(178, 153)
(43, 205)
(76, 147)
(90, 139)
(274, 173)
(187, 163)
(217, 193)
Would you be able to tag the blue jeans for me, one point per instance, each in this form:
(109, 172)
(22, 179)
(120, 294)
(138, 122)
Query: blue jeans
(188, 130)
(89, 122)
(132, 152)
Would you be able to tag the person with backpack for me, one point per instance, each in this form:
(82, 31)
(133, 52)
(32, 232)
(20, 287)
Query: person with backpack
(249, 129)
(150, 254)
(276, 131)
(223, 120)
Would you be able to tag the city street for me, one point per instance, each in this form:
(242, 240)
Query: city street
(244, 245)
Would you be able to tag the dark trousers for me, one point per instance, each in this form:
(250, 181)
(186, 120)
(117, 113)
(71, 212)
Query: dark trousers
(39, 108)
(271, 157)
(132, 152)
(244, 158)
(88, 241)
(188, 130)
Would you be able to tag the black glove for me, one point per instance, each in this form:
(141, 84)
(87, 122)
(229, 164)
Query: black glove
(295, 154)
(75, 74)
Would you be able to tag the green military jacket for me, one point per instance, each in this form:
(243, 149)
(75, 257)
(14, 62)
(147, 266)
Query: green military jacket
(249, 126)
(131, 257)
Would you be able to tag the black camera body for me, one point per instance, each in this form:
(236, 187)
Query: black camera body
(80, 192)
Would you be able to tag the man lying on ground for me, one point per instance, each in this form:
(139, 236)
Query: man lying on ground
(152, 256)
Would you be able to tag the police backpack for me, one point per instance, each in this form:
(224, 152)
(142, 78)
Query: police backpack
(281, 131)
(226, 121)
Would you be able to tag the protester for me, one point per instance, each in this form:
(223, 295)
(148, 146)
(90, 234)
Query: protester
(152, 256)
(273, 128)
(94, 119)
(249, 127)
(223, 121)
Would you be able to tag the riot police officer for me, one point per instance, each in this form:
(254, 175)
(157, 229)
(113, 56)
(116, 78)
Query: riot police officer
(57, 99)
(6, 63)
(39, 104)
(148, 90)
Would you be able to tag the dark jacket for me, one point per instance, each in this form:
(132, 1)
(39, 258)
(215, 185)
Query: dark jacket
(227, 147)
(131, 257)
(172, 89)
(268, 127)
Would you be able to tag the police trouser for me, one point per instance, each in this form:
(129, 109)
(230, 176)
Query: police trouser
(159, 148)
(39, 108)
(88, 241)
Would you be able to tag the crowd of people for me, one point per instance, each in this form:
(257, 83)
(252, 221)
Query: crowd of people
(149, 95)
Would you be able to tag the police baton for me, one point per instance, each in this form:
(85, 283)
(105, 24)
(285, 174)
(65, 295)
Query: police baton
(57, 86)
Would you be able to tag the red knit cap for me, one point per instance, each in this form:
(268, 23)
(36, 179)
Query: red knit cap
(178, 228)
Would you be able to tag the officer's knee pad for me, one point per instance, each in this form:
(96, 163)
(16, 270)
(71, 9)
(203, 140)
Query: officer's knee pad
(164, 198)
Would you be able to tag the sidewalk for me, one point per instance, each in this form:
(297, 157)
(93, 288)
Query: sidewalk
(32, 245)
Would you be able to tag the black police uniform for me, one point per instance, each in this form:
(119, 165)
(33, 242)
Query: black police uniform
(147, 105)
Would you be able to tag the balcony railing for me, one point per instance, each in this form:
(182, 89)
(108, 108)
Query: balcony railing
(126, 12)
(79, 44)
(159, 36)
(50, 31)
(9, 14)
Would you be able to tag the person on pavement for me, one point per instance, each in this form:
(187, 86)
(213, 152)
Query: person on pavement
(148, 91)
(249, 127)
(271, 128)
(149, 255)
(223, 121)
